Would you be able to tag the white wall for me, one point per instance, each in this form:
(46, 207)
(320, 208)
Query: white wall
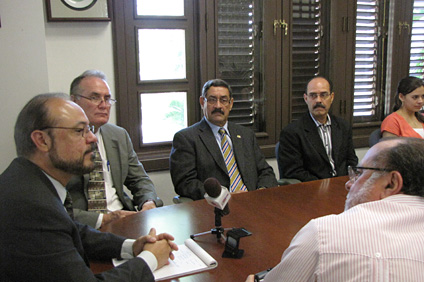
(37, 56)
(23, 65)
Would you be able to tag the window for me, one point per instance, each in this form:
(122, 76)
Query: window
(155, 73)
(369, 71)
(165, 51)
(416, 63)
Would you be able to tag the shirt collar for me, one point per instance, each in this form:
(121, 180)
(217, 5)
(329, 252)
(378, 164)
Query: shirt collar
(60, 189)
(318, 124)
(215, 128)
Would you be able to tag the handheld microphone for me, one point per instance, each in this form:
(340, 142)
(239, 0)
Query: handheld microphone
(217, 195)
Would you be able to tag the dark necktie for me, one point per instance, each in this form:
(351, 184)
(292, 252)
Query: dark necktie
(68, 205)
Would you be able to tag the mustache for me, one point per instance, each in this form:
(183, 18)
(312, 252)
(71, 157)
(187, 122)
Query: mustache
(319, 106)
(218, 111)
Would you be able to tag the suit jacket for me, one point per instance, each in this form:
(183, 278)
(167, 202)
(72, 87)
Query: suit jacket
(40, 242)
(196, 156)
(302, 154)
(126, 170)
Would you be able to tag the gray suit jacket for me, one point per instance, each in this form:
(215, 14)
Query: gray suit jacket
(40, 242)
(126, 170)
(302, 154)
(196, 156)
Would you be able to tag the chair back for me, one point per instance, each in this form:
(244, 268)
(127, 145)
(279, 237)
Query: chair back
(280, 171)
(374, 137)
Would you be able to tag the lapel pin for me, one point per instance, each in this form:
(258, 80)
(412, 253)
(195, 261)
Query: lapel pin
(238, 136)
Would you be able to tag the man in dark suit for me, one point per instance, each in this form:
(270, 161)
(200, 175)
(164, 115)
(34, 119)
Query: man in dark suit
(39, 240)
(318, 145)
(120, 162)
(197, 155)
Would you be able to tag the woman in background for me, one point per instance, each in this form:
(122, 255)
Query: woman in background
(406, 119)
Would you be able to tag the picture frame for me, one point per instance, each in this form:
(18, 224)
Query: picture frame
(78, 10)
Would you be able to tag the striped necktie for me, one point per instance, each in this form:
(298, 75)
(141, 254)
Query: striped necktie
(236, 183)
(96, 186)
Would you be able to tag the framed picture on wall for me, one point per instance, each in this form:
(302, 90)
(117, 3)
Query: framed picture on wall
(78, 10)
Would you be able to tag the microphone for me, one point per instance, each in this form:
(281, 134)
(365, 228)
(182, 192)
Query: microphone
(217, 195)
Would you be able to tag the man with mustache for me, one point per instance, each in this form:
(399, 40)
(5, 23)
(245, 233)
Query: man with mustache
(197, 152)
(319, 145)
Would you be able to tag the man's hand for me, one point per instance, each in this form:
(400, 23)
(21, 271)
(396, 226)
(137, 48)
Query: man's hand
(148, 206)
(109, 217)
(160, 245)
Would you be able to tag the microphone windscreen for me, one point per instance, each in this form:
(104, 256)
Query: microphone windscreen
(212, 187)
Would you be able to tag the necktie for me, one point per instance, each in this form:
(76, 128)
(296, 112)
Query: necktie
(96, 186)
(68, 205)
(236, 183)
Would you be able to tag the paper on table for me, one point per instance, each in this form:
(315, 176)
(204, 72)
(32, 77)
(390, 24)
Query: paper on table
(190, 258)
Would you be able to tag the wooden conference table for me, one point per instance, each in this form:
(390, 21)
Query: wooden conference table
(273, 215)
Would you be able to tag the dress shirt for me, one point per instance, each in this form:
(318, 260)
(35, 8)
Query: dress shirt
(113, 202)
(215, 131)
(376, 241)
(324, 131)
(127, 246)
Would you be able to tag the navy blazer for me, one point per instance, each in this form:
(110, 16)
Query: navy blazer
(302, 154)
(40, 242)
(196, 156)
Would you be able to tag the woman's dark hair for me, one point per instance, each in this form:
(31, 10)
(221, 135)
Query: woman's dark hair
(406, 86)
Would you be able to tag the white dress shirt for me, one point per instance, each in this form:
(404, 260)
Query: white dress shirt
(376, 241)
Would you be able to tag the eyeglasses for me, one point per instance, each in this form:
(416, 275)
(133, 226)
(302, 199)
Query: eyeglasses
(213, 100)
(323, 96)
(83, 131)
(356, 171)
(97, 100)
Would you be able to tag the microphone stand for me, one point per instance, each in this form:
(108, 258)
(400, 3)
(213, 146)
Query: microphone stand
(218, 230)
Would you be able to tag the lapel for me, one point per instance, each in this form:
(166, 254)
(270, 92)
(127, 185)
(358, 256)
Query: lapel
(336, 139)
(33, 169)
(208, 139)
(111, 144)
(311, 134)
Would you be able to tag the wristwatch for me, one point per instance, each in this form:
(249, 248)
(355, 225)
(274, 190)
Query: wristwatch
(79, 4)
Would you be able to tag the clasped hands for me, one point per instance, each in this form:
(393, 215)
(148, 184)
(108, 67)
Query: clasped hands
(161, 246)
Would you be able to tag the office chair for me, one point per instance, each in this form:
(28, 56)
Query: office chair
(375, 136)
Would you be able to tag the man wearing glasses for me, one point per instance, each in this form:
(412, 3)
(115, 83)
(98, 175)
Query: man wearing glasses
(217, 148)
(379, 236)
(39, 240)
(319, 145)
(118, 164)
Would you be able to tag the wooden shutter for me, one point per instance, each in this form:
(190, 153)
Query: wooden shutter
(416, 63)
(306, 50)
(239, 35)
(366, 82)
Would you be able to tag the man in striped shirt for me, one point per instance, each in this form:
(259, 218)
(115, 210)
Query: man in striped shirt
(379, 236)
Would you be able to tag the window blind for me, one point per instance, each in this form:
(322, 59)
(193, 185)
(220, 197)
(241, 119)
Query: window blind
(366, 52)
(306, 50)
(238, 57)
(416, 63)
